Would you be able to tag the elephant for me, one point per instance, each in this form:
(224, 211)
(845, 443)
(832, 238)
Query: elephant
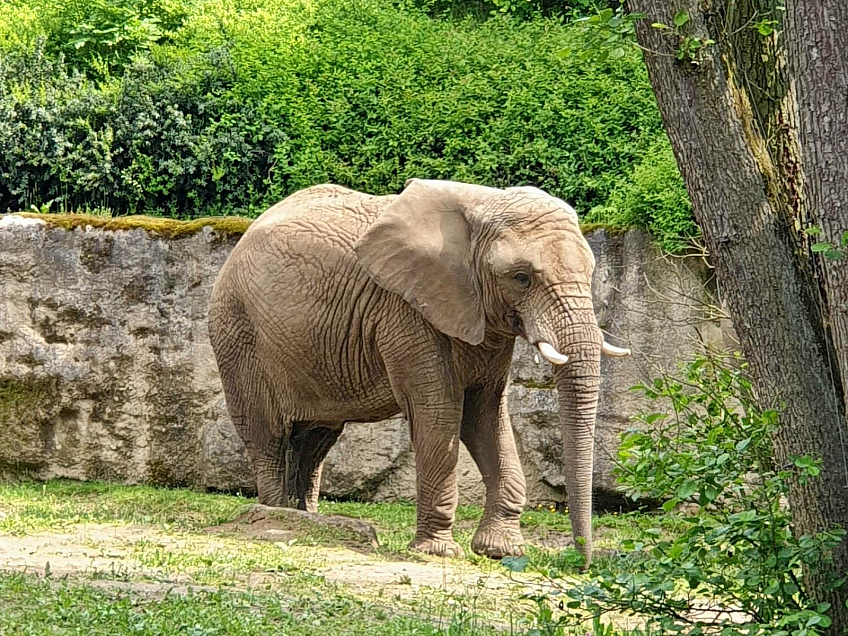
(338, 306)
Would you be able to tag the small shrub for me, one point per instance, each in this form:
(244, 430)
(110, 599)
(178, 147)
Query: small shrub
(159, 140)
(653, 197)
(736, 570)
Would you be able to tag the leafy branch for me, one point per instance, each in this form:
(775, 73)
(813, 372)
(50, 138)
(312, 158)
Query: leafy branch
(611, 31)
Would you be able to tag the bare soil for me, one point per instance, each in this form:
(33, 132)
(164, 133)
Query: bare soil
(105, 552)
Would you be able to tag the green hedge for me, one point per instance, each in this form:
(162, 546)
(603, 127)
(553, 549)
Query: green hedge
(203, 107)
(652, 196)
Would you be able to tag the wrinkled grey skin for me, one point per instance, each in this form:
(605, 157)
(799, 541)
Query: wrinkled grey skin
(338, 306)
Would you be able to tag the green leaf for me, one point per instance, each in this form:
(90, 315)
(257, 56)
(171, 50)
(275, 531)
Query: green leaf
(804, 462)
(821, 247)
(660, 25)
(670, 505)
(812, 231)
(515, 564)
(681, 18)
(687, 489)
(834, 255)
(843, 242)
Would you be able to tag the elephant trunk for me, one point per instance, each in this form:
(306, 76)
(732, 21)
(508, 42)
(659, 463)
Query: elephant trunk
(578, 383)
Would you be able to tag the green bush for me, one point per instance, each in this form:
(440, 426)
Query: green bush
(737, 568)
(246, 101)
(519, 8)
(653, 197)
(94, 36)
(157, 140)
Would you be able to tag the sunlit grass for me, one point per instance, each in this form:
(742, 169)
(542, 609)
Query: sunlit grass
(175, 552)
(33, 605)
(57, 505)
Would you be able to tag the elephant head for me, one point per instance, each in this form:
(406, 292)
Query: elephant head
(476, 260)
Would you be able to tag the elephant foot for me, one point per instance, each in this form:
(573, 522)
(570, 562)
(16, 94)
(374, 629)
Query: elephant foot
(437, 547)
(496, 541)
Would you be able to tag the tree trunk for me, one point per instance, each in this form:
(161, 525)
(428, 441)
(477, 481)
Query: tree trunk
(729, 116)
(817, 43)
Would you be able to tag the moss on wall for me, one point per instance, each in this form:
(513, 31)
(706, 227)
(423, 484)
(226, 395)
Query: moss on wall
(25, 425)
(17, 396)
(175, 228)
(158, 226)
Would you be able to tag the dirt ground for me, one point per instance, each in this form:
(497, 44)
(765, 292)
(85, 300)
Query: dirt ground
(106, 553)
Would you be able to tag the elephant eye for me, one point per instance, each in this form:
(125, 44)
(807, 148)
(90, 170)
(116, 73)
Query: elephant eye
(522, 279)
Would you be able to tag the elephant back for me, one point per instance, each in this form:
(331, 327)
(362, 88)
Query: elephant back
(336, 205)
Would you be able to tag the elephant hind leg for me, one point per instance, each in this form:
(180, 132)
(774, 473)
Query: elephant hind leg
(264, 433)
(268, 457)
(309, 448)
(267, 444)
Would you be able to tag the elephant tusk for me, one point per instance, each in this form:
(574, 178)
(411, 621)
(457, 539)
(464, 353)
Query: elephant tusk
(615, 352)
(550, 354)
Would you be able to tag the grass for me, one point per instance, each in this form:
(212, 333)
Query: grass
(56, 505)
(38, 606)
(395, 524)
(253, 587)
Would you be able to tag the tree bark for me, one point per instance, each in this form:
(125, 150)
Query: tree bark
(730, 117)
(817, 44)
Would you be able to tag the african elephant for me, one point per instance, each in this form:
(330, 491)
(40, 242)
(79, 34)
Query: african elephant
(338, 306)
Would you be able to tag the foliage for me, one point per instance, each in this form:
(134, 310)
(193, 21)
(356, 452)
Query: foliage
(736, 568)
(826, 248)
(652, 196)
(689, 47)
(245, 102)
(160, 139)
(522, 9)
(98, 37)
(609, 32)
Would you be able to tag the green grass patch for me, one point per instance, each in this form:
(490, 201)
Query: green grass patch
(59, 504)
(228, 561)
(273, 586)
(33, 605)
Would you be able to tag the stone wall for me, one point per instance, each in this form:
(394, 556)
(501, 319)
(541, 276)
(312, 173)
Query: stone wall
(106, 371)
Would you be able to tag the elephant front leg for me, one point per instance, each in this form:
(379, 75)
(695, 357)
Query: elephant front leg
(435, 438)
(487, 433)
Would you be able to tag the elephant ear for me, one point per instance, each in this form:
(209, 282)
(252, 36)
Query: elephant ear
(420, 248)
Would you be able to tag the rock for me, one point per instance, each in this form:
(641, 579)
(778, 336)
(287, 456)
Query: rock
(106, 371)
(10, 220)
(284, 524)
